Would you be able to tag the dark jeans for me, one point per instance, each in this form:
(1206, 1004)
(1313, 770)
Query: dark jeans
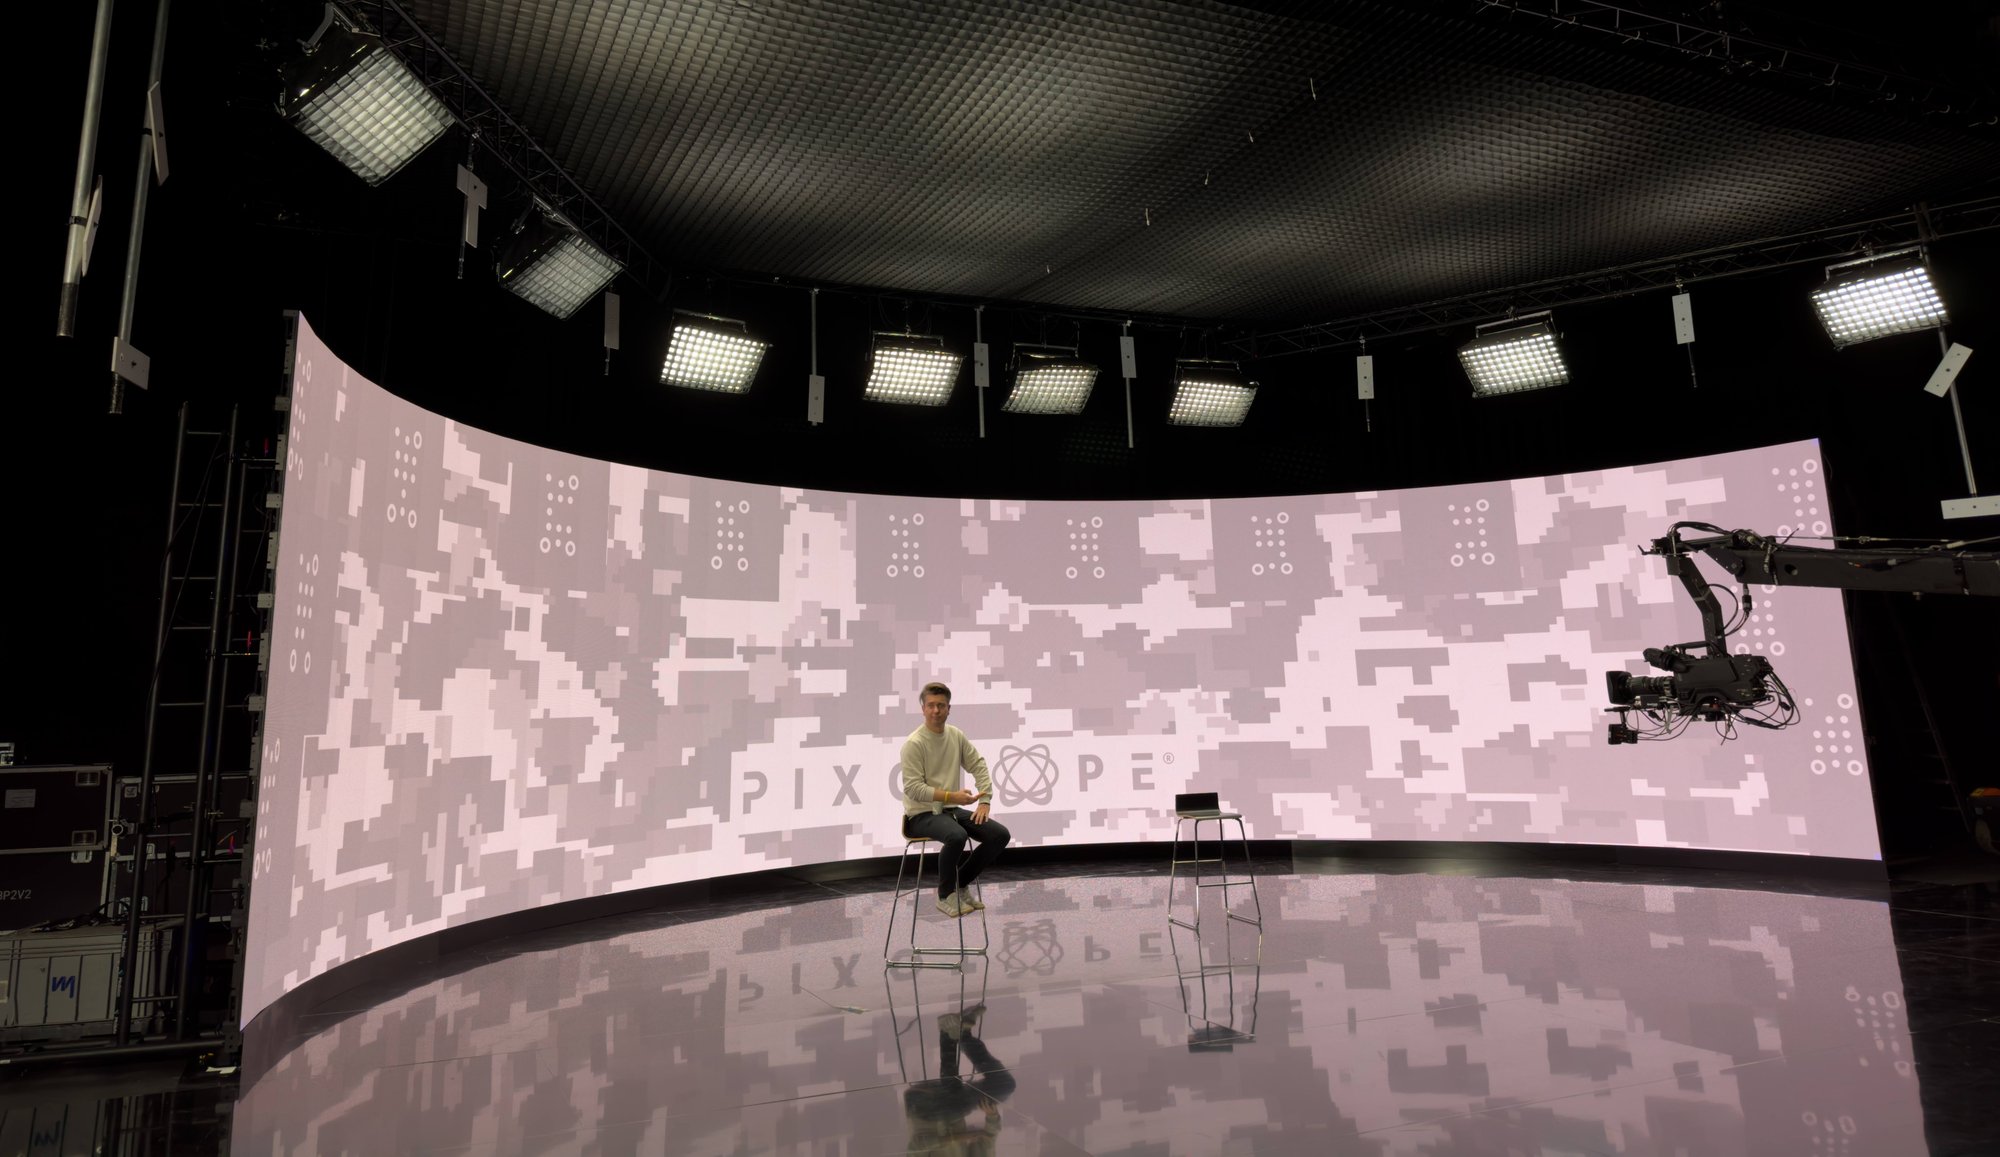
(947, 1098)
(990, 1077)
(951, 828)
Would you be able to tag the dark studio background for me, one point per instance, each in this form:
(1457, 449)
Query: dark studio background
(256, 220)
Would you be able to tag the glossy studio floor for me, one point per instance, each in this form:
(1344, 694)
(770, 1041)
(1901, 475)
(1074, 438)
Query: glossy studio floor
(1387, 1008)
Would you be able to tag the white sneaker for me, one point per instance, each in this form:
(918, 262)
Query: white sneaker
(951, 907)
(966, 901)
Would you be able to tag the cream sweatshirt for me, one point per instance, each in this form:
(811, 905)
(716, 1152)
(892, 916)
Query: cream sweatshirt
(932, 762)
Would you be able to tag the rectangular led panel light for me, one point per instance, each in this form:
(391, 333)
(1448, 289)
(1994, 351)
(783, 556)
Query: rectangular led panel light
(1511, 360)
(1210, 394)
(913, 370)
(373, 115)
(712, 354)
(564, 275)
(1861, 303)
(1050, 383)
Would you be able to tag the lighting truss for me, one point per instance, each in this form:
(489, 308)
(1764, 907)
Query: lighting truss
(1050, 380)
(1863, 300)
(1788, 51)
(355, 99)
(552, 266)
(1873, 235)
(1518, 357)
(911, 369)
(1210, 393)
(712, 353)
(500, 135)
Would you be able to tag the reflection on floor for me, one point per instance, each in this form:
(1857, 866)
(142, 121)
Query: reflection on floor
(1377, 1014)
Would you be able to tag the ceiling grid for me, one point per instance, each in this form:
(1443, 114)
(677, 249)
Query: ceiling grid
(1268, 162)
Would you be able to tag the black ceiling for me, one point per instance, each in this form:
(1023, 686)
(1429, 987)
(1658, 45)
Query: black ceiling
(1263, 163)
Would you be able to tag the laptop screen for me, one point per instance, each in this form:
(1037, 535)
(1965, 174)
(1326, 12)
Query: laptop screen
(1196, 801)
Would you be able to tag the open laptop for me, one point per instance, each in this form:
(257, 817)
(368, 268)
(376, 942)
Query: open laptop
(1197, 805)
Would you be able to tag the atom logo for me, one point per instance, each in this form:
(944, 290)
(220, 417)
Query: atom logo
(1040, 769)
(1029, 948)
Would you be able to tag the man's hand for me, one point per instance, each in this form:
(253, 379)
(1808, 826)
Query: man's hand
(964, 797)
(979, 815)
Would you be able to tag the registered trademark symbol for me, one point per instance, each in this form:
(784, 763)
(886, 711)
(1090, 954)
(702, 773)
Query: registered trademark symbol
(1168, 757)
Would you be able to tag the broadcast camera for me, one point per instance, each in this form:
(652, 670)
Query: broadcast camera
(1711, 688)
(1724, 689)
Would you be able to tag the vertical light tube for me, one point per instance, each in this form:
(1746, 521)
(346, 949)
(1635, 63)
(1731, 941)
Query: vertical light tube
(1127, 362)
(86, 161)
(1958, 416)
(815, 385)
(142, 185)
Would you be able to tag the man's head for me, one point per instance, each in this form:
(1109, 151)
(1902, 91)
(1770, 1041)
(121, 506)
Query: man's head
(936, 700)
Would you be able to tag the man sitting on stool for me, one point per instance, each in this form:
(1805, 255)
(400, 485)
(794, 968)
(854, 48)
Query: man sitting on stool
(933, 756)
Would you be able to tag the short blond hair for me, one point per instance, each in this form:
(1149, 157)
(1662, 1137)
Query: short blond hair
(931, 689)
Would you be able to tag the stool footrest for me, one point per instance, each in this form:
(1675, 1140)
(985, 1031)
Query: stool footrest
(1252, 920)
(1182, 923)
(925, 964)
(1213, 970)
(1221, 883)
(1203, 860)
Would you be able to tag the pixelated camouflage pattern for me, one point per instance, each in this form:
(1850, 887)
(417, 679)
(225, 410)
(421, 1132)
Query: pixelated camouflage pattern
(505, 676)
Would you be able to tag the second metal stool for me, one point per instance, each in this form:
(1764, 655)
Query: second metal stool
(1199, 808)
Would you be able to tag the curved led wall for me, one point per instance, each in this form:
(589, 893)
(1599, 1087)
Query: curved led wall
(503, 676)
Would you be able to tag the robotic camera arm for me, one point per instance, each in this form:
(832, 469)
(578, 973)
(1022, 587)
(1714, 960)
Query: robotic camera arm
(1717, 687)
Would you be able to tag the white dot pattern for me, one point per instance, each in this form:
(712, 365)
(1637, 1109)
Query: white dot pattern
(1271, 548)
(906, 548)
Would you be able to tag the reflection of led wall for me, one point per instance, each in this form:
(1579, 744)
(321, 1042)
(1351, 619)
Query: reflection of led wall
(1629, 984)
(548, 676)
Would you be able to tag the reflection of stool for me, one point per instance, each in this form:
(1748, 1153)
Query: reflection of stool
(1200, 808)
(917, 894)
(1211, 1029)
(915, 1030)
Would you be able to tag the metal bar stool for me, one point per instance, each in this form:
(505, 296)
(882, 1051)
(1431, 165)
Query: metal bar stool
(916, 894)
(1198, 808)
